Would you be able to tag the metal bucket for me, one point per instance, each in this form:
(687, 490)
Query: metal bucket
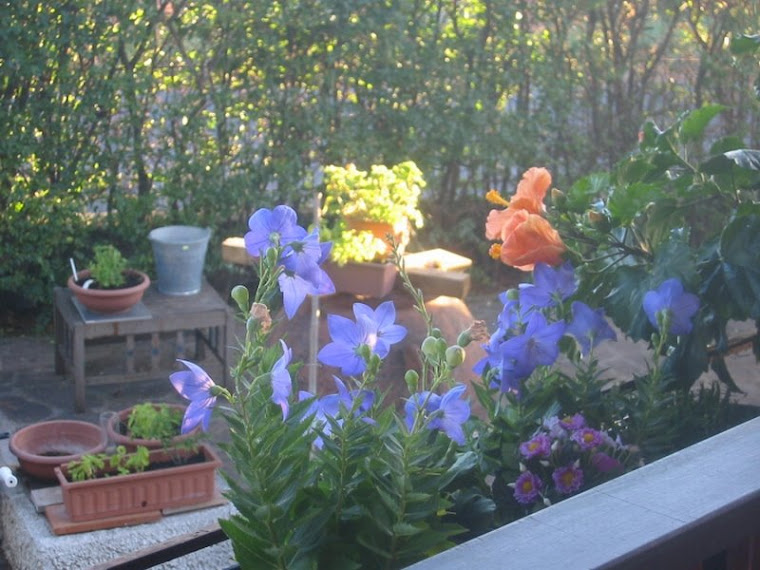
(180, 252)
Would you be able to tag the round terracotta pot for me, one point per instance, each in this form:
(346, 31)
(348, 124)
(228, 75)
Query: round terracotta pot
(43, 446)
(116, 435)
(109, 301)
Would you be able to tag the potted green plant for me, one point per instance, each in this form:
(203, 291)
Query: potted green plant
(108, 285)
(99, 486)
(149, 425)
(361, 211)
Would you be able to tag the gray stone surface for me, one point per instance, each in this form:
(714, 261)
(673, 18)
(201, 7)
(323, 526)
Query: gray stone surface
(30, 392)
(29, 543)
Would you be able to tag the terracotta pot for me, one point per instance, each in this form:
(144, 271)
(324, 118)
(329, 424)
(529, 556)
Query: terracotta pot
(151, 490)
(118, 437)
(367, 279)
(109, 301)
(381, 230)
(42, 446)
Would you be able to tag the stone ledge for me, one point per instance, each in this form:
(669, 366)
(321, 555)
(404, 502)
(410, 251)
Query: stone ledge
(29, 543)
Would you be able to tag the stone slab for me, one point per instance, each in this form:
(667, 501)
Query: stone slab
(30, 544)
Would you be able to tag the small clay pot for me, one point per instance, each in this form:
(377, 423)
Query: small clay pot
(130, 443)
(109, 301)
(43, 446)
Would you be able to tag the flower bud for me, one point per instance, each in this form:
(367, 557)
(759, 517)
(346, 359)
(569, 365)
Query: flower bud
(429, 346)
(260, 312)
(558, 197)
(436, 332)
(464, 338)
(412, 379)
(271, 256)
(365, 352)
(240, 295)
(513, 294)
(455, 356)
(599, 221)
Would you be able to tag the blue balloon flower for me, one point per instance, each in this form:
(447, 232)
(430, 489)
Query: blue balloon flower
(374, 328)
(282, 384)
(549, 287)
(272, 228)
(538, 345)
(671, 299)
(446, 413)
(197, 386)
(589, 326)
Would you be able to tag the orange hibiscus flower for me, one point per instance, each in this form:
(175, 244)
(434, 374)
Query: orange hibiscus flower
(532, 241)
(527, 237)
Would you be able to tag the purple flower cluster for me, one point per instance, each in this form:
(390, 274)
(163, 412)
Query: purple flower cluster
(299, 253)
(562, 456)
(528, 337)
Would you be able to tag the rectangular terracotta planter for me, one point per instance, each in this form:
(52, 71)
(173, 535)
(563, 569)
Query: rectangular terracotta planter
(175, 486)
(367, 279)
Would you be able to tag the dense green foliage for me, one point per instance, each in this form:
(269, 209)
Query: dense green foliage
(672, 209)
(121, 116)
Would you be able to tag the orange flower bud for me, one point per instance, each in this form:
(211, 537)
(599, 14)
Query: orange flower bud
(495, 251)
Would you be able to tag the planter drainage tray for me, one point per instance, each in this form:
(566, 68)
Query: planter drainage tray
(61, 523)
(138, 312)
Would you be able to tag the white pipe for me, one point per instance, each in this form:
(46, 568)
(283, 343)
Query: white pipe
(7, 477)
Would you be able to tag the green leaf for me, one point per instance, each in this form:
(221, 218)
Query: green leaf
(695, 122)
(740, 242)
(465, 463)
(405, 529)
(744, 44)
(743, 158)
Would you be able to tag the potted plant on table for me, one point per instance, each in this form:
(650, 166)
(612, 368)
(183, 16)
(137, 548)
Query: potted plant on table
(361, 210)
(108, 286)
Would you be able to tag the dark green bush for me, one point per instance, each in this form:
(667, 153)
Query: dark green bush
(118, 117)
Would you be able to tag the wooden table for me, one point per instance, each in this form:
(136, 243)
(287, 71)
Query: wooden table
(205, 313)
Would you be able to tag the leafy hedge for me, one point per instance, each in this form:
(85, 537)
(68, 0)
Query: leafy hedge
(121, 116)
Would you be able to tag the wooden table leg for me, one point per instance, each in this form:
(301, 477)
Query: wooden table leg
(78, 365)
(59, 326)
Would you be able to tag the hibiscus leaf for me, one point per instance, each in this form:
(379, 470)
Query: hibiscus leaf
(623, 303)
(745, 158)
(695, 122)
(740, 241)
(744, 44)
